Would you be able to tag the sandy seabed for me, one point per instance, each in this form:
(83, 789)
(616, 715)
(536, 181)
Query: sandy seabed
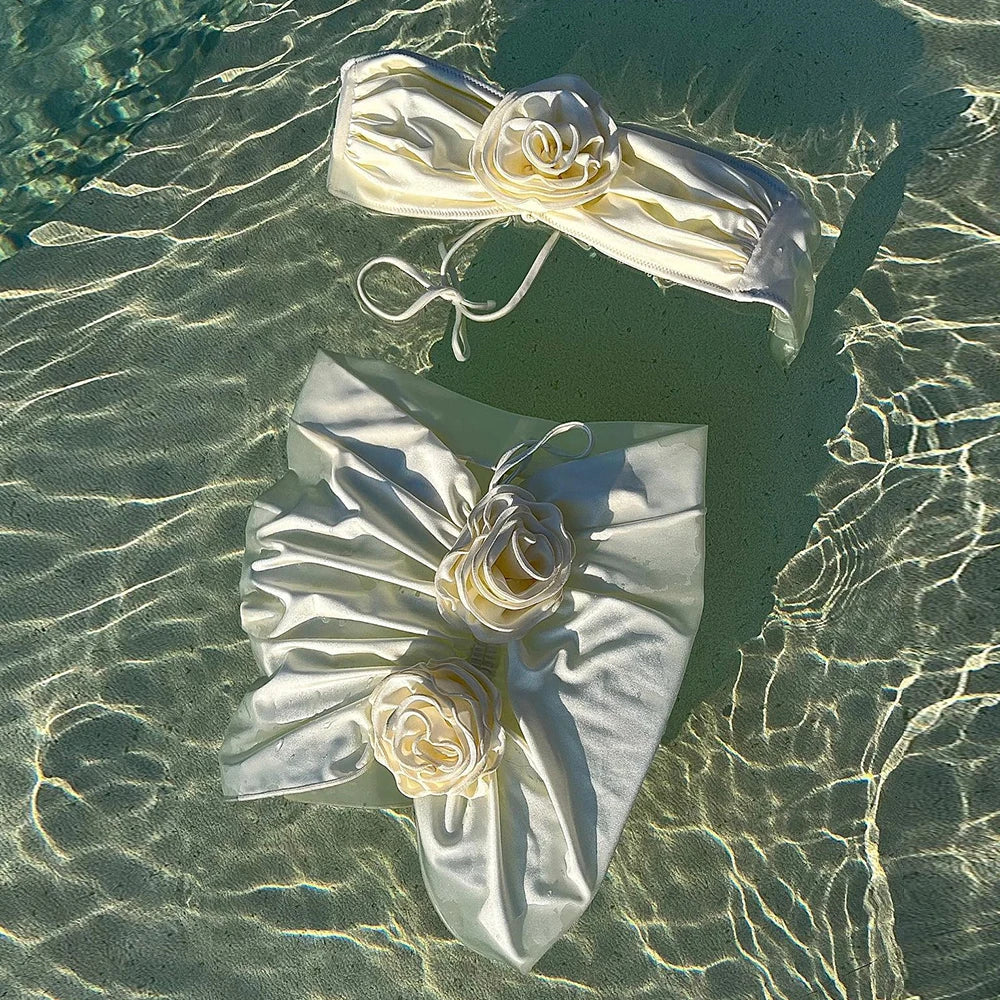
(823, 819)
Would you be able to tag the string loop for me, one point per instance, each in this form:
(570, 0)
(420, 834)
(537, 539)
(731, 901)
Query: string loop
(508, 463)
(444, 285)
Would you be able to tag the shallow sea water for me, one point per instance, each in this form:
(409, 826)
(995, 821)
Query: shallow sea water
(823, 818)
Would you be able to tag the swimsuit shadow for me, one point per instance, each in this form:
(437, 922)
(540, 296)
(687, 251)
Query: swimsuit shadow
(596, 340)
(794, 68)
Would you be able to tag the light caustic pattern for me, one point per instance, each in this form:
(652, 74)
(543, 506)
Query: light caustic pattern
(829, 826)
(78, 79)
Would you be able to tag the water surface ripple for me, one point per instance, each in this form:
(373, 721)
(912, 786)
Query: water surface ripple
(823, 818)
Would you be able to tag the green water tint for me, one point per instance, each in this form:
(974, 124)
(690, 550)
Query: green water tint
(821, 820)
(78, 80)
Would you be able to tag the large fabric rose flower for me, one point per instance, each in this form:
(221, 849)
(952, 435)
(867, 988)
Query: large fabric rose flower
(508, 568)
(551, 147)
(436, 727)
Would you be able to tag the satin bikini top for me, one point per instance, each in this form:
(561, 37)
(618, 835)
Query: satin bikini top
(418, 138)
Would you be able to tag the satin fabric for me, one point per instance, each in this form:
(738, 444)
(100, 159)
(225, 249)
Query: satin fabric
(338, 591)
(406, 126)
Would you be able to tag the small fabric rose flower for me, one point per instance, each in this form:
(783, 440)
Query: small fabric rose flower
(547, 148)
(436, 727)
(508, 568)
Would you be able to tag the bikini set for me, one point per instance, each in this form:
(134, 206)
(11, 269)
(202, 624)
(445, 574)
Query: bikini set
(480, 615)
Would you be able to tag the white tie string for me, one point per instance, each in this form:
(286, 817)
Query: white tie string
(444, 285)
(508, 463)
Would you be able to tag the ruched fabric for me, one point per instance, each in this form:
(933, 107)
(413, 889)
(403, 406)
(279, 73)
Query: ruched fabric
(385, 469)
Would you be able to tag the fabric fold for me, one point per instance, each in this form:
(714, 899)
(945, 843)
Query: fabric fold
(416, 137)
(304, 731)
(339, 598)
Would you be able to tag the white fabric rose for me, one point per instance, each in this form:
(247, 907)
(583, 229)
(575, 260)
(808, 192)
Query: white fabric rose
(436, 727)
(547, 148)
(508, 568)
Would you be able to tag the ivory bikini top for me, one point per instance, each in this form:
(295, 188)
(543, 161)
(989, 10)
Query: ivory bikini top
(416, 137)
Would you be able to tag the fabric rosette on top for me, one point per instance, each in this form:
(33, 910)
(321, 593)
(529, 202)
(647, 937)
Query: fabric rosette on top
(453, 612)
(552, 146)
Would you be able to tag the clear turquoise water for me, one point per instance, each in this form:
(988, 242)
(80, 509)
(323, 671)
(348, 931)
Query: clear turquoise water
(823, 819)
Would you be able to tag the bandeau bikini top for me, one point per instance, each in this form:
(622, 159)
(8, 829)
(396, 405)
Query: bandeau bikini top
(418, 138)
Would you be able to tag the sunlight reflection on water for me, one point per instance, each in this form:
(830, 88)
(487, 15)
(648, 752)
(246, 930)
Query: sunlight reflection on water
(823, 818)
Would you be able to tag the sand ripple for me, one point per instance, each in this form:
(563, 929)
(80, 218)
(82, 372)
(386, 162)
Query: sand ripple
(823, 820)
